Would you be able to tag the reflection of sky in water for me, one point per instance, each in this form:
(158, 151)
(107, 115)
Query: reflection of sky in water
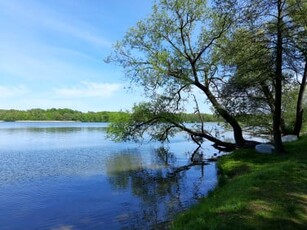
(68, 175)
(49, 135)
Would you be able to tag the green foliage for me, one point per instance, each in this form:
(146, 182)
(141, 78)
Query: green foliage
(139, 114)
(262, 73)
(118, 127)
(150, 120)
(170, 54)
(56, 115)
(257, 191)
(196, 118)
(239, 54)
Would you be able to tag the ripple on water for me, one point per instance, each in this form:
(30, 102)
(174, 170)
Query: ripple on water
(20, 166)
(74, 179)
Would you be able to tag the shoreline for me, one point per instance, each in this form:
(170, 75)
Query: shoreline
(47, 121)
(255, 191)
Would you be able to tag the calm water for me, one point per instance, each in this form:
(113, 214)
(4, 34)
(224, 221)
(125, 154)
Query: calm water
(69, 176)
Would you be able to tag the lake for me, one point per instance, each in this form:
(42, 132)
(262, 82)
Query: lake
(67, 175)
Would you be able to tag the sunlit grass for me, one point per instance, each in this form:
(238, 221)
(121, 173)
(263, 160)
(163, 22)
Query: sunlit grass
(256, 191)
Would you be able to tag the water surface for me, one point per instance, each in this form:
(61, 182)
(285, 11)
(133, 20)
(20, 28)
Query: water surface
(68, 175)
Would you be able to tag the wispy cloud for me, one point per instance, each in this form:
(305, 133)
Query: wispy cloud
(89, 89)
(12, 91)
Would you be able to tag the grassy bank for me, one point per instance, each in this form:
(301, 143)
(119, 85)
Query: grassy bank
(256, 191)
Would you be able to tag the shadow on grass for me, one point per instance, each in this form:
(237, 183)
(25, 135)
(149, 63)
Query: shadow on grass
(256, 191)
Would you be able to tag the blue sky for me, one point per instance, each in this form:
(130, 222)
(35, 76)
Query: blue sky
(52, 51)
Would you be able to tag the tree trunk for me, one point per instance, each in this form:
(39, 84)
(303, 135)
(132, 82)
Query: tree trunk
(218, 144)
(299, 106)
(237, 130)
(271, 103)
(278, 82)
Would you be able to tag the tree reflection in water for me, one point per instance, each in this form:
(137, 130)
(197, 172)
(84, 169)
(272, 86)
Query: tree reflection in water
(162, 186)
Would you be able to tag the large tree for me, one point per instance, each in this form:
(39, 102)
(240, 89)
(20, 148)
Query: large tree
(297, 37)
(264, 54)
(172, 54)
(265, 19)
(180, 49)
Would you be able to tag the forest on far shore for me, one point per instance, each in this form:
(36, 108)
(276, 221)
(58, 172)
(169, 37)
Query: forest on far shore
(74, 115)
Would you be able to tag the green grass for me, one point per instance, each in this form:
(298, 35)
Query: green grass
(255, 191)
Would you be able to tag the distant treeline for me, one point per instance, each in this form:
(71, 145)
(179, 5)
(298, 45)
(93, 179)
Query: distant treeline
(73, 115)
